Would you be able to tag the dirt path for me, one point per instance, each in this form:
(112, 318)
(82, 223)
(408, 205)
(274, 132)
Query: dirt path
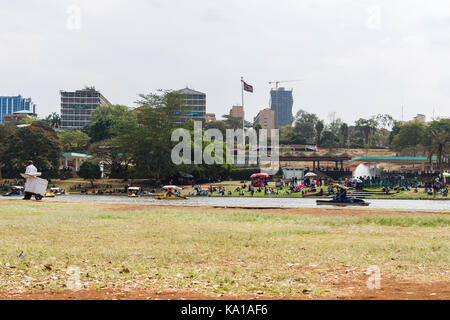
(390, 290)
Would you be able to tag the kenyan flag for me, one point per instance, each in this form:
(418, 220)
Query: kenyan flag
(247, 87)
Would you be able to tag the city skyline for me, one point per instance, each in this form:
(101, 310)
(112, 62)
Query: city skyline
(370, 58)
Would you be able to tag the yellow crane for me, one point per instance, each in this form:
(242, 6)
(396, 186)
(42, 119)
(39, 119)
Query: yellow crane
(277, 82)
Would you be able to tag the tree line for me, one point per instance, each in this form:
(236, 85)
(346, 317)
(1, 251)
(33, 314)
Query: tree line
(137, 142)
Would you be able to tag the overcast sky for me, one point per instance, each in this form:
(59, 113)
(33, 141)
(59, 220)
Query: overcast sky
(356, 58)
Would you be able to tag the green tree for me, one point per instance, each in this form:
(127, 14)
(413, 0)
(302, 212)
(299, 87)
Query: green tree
(90, 171)
(319, 129)
(289, 135)
(37, 142)
(148, 138)
(366, 127)
(411, 134)
(329, 140)
(220, 125)
(105, 118)
(440, 147)
(116, 160)
(437, 142)
(73, 140)
(344, 132)
(395, 130)
(5, 134)
(304, 124)
(54, 120)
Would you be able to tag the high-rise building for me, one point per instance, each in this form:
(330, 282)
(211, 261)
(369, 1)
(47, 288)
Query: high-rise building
(195, 106)
(237, 112)
(266, 118)
(281, 101)
(12, 104)
(77, 106)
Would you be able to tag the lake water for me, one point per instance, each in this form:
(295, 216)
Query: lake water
(441, 205)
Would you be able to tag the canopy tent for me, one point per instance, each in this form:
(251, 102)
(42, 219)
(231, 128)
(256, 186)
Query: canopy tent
(310, 174)
(172, 187)
(260, 175)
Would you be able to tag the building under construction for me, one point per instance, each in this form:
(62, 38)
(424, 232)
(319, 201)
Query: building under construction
(281, 102)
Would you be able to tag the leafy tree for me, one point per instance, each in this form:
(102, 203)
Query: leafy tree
(37, 142)
(319, 128)
(105, 118)
(411, 134)
(112, 155)
(394, 132)
(344, 132)
(219, 125)
(366, 127)
(289, 135)
(437, 142)
(5, 134)
(384, 121)
(304, 124)
(73, 140)
(329, 140)
(148, 138)
(54, 120)
(90, 171)
(440, 147)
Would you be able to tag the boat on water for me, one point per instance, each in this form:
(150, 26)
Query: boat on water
(172, 193)
(342, 200)
(55, 191)
(134, 192)
(343, 203)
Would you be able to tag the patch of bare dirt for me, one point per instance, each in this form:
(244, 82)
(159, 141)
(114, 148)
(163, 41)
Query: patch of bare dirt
(390, 290)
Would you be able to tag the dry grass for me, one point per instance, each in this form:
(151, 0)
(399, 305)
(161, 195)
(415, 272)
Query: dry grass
(209, 250)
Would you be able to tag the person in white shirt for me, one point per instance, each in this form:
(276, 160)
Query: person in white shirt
(31, 170)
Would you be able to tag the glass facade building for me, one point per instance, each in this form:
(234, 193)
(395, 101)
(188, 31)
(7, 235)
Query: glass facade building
(10, 105)
(281, 101)
(77, 106)
(195, 103)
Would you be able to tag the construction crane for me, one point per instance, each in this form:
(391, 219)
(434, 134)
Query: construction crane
(276, 100)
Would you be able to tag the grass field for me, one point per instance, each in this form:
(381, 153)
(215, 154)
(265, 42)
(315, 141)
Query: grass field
(313, 252)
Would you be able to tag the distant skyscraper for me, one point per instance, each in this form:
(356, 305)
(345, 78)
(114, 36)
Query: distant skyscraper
(12, 104)
(195, 103)
(76, 107)
(281, 101)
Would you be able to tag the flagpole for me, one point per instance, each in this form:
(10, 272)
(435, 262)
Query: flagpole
(243, 113)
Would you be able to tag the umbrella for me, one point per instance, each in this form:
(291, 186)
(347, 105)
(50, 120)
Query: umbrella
(189, 176)
(310, 174)
(172, 187)
(301, 186)
(259, 175)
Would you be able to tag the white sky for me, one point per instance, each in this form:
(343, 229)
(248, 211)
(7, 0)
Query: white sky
(356, 58)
